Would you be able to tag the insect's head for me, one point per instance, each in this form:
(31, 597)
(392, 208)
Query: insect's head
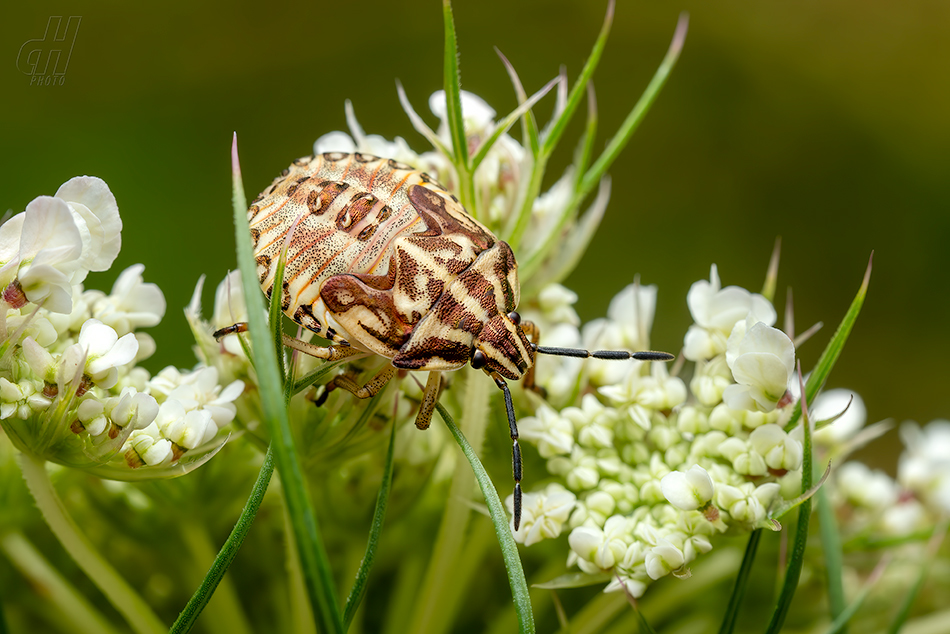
(502, 347)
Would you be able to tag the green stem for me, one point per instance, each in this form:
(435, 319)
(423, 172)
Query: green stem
(223, 561)
(742, 579)
(831, 545)
(75, 608)
(135, 610)
(428, 616)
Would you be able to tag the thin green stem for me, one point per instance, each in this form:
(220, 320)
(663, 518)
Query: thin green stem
(742, 580)
(228, 552)
(831, 545)
(81, 615)
(128, 602)
(379, 516)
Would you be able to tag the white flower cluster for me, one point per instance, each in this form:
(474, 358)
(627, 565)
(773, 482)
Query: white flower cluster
(70, 389)
(647, 468)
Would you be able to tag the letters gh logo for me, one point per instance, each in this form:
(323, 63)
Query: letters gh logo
(49, 55)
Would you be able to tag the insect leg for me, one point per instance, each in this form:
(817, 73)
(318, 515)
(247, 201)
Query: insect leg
(330, 353)
(534, 334)
(515, 449)
(429, 398)
(369, 390)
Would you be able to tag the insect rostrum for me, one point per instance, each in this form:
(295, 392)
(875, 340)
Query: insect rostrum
(383, 259)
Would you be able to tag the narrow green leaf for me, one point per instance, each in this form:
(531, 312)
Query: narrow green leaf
(831, 545)
(452, 84)
(742, 581)
(509, 549)
(788, 505)
(771, 276)
(275, 314)
(502, 126)
(379, 515)
(933, 547)
(313, 558)
(529, 124)
(636, 116)
(840, 623)
(644, 627)
(229, 550)
(794, 569)
(833, 350)
(585, 147)
(592, 177)
(420, 125)
(553, 134)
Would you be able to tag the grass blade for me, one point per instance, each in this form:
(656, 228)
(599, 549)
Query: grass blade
(633, 120)
(794, 569)
(742, 580)
(840, 623)
(228, 552)
(313, 558)
(553, 134)
(452, 84)
(933, 546)
(831, 545)
(832, 351)
(379, 515)
(529, 124)
(502, 126)
(509, 549)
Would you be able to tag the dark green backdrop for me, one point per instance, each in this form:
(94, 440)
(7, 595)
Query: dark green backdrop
(825, 123)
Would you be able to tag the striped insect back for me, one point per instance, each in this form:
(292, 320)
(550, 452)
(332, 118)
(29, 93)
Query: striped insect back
(382, 259)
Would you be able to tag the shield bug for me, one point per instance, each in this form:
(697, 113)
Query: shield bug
(384, 260)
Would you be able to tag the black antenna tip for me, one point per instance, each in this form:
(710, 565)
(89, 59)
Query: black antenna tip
(651, 355)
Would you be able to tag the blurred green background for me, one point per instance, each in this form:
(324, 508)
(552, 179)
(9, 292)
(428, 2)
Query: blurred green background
(823, 123)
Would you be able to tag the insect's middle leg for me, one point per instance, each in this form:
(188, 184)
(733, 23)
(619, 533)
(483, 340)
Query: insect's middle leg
(329, 353)
(429, 398)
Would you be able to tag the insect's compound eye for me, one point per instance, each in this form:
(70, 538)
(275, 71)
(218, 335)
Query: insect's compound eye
(479, 360)
(515, 318)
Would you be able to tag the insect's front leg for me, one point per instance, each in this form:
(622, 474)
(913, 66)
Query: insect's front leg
(534, 334)
(329, 353)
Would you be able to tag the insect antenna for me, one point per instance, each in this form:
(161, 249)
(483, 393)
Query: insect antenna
(613, 355)
(515, 449)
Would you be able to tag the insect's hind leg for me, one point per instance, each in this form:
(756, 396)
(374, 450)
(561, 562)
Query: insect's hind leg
(429, 398)
(371, 389)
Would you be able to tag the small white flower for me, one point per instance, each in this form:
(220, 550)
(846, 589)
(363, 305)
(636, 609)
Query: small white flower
(601, 549)
(593, 423)
(924, 467)
(716, 311)
(557, 305)
(710, 380)
(663, 559)
(132, 304)
(762, 360)
(131, 407)
(579, 470)
(863, 487)
(91, 414)
(104, 350)
(543, 514)
(97, 216)
(187, 429)
(552, 433)
(744, 458)
(779, 449)
(831, 403)
(746, 503)
(478, 117)
(147, 447)
(688, 491)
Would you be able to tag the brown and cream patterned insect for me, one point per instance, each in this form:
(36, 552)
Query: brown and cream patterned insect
(382, 259)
